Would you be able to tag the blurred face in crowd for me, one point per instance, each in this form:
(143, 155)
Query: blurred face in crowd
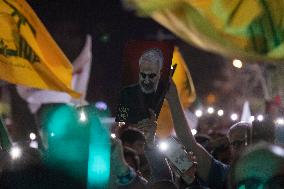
(238, 138)
(260, 169)
(149, 76)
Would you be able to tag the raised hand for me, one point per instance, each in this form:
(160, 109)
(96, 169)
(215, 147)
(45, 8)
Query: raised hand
(118, 162)
(148, 127)
(172, 93)
(189, 175)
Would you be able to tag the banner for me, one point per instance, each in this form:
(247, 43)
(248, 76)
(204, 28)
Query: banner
(28, 54)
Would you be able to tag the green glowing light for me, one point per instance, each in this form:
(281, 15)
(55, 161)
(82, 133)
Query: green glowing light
(99, 153)
(67, 142)
(105, 38)
(80, 148)
(242, 187)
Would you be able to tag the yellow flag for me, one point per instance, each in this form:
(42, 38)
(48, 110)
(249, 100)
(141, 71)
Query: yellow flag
(248, 29)
(186, 92)
(28, 54)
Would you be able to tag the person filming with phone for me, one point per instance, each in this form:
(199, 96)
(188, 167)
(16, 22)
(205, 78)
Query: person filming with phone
(212, 172)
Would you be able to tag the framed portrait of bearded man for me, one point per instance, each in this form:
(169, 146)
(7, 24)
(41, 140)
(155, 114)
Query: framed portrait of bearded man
(145, 79)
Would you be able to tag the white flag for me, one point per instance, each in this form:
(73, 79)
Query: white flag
(82, 69)
(246, 114)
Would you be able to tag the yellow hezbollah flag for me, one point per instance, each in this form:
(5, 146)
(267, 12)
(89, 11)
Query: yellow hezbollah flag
(250, 29)
(28, 54)
(186, 92)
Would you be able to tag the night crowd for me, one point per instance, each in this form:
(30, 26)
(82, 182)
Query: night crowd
(248, 156)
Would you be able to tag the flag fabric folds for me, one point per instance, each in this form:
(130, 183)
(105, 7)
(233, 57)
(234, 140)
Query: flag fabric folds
(28, 54)
(81, 73)
(186, 90)
(251, 29)
(183, 80)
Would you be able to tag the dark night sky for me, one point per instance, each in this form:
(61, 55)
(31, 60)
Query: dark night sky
(111, 27)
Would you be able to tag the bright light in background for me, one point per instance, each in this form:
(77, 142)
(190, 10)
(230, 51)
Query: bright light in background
(113, 135)
(279, 121)
(52, 134)
(210, 110)
(220, 113)
(198, 113)
(32, 136)
(251, 118)
(163, 146)
(260, 118)
(234, 116)
(34, 144)
(101, 105)
(15, 152)
(83, 116)
(193, 131)
(237, 63)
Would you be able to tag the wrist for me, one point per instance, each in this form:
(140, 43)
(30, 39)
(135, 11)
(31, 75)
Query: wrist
(122, 170)
(151, 143)
(188, 179)
(126, 177)
(150, 146)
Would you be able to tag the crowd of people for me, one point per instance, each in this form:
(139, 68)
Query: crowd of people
(247, 157)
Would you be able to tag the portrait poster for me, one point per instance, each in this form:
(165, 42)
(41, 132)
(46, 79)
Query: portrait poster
(131, 106)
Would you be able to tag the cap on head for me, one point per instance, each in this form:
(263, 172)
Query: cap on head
(242, 130)
(263, 161)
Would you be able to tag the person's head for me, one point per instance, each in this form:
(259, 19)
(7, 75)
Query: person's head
(133, 138)
(150, 65)
(221, 149)
(263, 131)
(239, 137)
(261, 166)
(204, 140)
(131, 158)
(163, 184)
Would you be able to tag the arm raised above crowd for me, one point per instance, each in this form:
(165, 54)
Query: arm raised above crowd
(126, 177)
(183, 132)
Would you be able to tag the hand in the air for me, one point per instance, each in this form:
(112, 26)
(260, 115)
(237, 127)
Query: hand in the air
(189, 175)
(118, 163)
(172, 91)
(148, 127)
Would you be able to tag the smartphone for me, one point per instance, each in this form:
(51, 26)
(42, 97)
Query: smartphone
(176, 154)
